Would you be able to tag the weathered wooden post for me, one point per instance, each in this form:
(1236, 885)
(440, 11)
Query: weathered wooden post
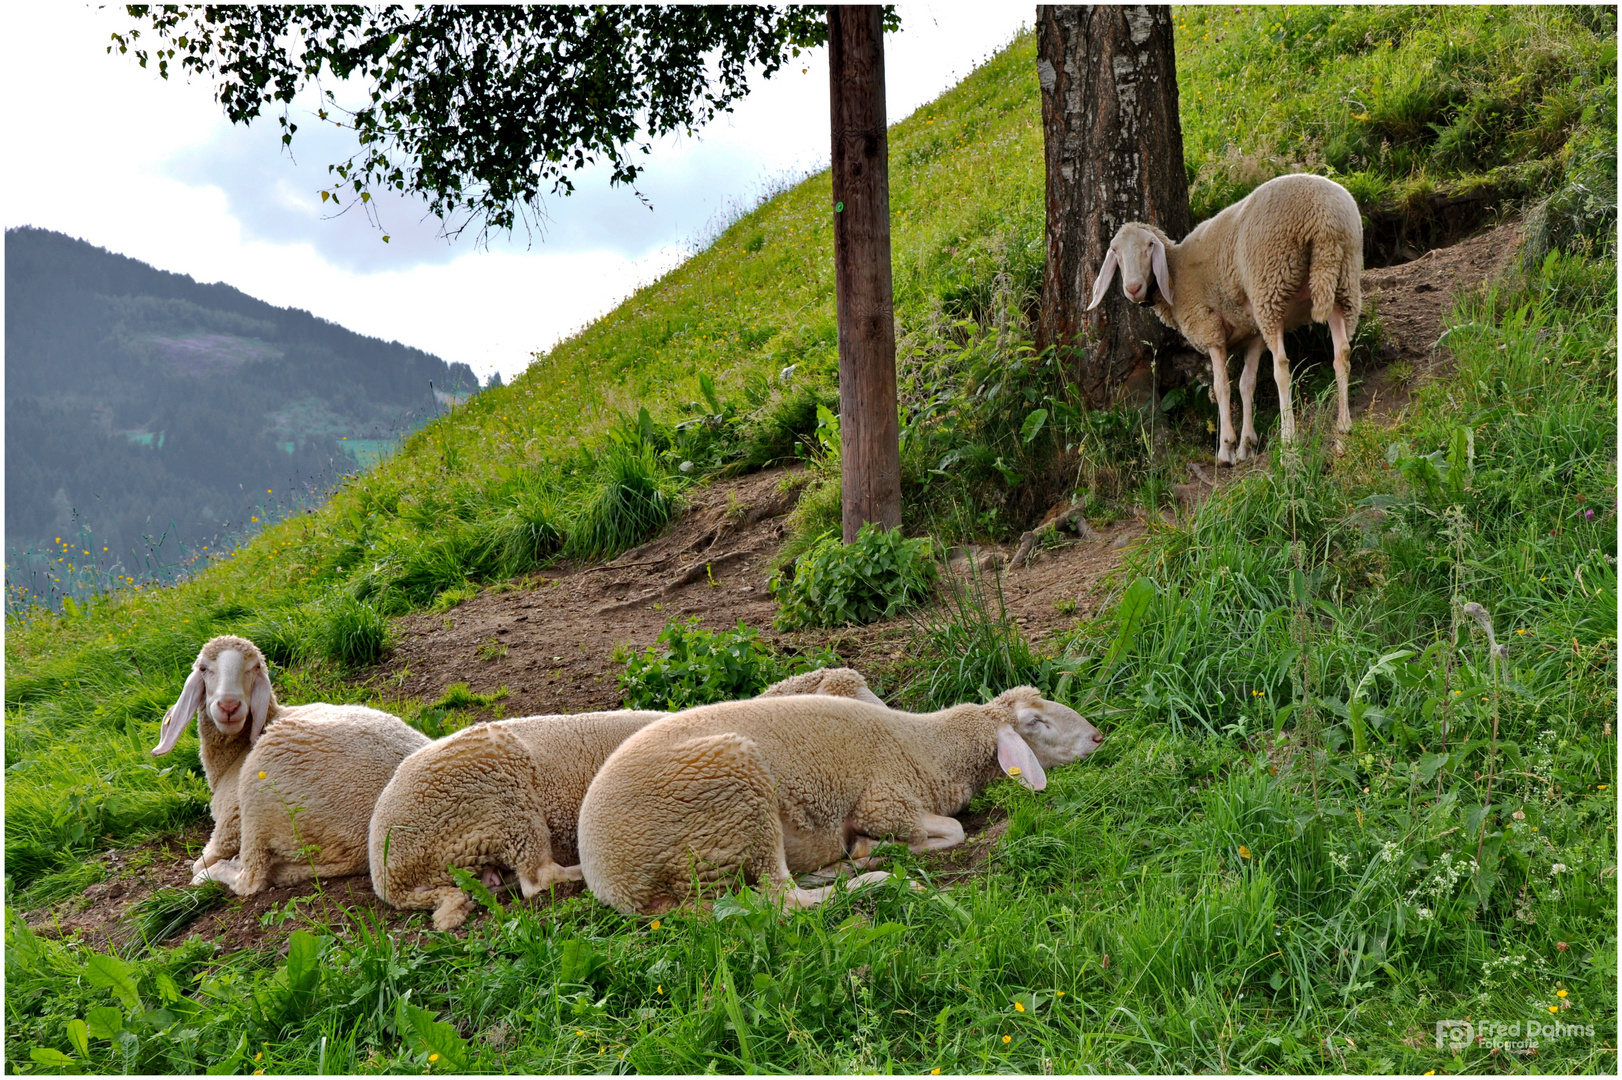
(870, 434)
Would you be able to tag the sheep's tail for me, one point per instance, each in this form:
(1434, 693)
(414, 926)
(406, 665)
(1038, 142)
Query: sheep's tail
(1329, 263)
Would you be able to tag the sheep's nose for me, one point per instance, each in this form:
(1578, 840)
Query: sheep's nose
(1098, 736)
(228, 706)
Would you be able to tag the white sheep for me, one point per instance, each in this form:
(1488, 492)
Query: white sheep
(292, 787)
(506, 796)
(763, 790)
(1290, 251)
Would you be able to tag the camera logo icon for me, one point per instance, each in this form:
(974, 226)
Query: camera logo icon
(1454, 1034)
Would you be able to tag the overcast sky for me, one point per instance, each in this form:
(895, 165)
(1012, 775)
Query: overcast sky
(102, 150)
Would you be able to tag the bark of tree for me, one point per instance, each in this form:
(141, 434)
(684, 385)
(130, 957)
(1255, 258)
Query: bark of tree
(1113, 146)
(870, 448)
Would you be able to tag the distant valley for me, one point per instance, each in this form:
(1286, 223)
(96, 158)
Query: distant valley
(149, 415)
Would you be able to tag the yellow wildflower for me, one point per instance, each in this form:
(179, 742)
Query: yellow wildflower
(1013, 770)
(1244, 852)
(433, 1057)
(1019, 1006)
(1561, 993)
(1007, 1038)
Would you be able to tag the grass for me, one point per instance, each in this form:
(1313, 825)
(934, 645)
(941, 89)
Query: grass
(1269, 865)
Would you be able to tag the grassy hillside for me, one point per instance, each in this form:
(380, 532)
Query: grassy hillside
(1327, 816)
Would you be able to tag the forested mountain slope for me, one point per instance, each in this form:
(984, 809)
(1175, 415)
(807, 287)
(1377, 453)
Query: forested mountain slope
(142, 404)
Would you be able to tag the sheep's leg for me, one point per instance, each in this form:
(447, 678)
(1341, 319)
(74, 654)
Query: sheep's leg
(939, 832)
(793, 896)
(543, 877)
(1343, 371)
(224, 871)
(450, 905)
(1219, 388)
(1247, 398)
(1281, 375)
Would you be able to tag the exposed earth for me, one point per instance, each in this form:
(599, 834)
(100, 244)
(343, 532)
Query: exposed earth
(550, 639)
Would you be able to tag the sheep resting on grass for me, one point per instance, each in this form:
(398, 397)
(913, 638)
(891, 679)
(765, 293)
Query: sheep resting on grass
(292, 786)
(506, 796)
(763, 790)
(1290, 251)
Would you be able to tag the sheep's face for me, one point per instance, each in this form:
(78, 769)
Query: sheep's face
(228, 679)
(229, 684)
(1043, 734)
(1140, 256)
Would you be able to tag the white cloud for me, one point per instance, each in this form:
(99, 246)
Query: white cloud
(152, 169)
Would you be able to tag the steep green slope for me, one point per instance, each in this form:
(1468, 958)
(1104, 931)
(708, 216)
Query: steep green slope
(1270, 864)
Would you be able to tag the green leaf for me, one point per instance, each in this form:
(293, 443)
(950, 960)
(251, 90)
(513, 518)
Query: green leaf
(111, 973)
(446, 1049)
(104, 1022)
(1032, 427)
(228, 1064)
(1129, 615)
(79, 1036)
(734, 1010)
(44, 1055)
(303, 964)
(706, 386)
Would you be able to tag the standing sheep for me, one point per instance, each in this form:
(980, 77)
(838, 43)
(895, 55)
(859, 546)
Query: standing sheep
(292, 787)
(1290, 251)
(506, 796)
(765, 790)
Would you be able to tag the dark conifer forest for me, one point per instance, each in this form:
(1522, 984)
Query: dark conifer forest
(148, 414)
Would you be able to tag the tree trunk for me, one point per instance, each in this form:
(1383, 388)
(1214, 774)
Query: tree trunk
(1113, 146)
(870, 434)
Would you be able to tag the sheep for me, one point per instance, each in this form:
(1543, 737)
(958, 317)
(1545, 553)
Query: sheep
(292, 786)
(765, 790)
(1290, 251)
(506, 795)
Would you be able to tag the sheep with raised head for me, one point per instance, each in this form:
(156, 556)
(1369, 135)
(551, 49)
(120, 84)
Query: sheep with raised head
(763, 790)
(292, 786)
(505, 796)
(1289, 252)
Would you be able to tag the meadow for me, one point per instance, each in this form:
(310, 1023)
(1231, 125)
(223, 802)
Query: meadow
(1360, 772)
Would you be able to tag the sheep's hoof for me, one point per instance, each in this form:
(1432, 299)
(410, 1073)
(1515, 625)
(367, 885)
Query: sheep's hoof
(872, 877)
(1247, 449)
(1340, 446)
(1225, 456)
(225, 872)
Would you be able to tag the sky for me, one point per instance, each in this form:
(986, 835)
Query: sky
(103, 150)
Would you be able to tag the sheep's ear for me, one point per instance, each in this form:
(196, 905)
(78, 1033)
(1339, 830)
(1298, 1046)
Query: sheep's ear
(1157, 259)
(1018, 759)
(180, 713)
(258, 704)
(1106, 274)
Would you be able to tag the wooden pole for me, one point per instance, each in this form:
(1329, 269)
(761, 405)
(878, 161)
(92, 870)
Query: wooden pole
(870, 433)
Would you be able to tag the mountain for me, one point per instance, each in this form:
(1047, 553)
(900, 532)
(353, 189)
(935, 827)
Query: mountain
(148, 414)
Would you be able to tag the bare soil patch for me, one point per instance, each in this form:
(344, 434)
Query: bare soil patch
(550, 639)
(1412, 300)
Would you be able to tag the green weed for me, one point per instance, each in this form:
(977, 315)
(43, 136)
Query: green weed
(693, 666)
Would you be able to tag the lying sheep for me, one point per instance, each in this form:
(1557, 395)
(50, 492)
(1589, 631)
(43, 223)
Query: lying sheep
(1290, 251)
(506, 795)
(766, 790)
(292, 787)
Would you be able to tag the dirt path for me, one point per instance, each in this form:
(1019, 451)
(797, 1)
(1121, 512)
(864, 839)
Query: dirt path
(551, 640)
